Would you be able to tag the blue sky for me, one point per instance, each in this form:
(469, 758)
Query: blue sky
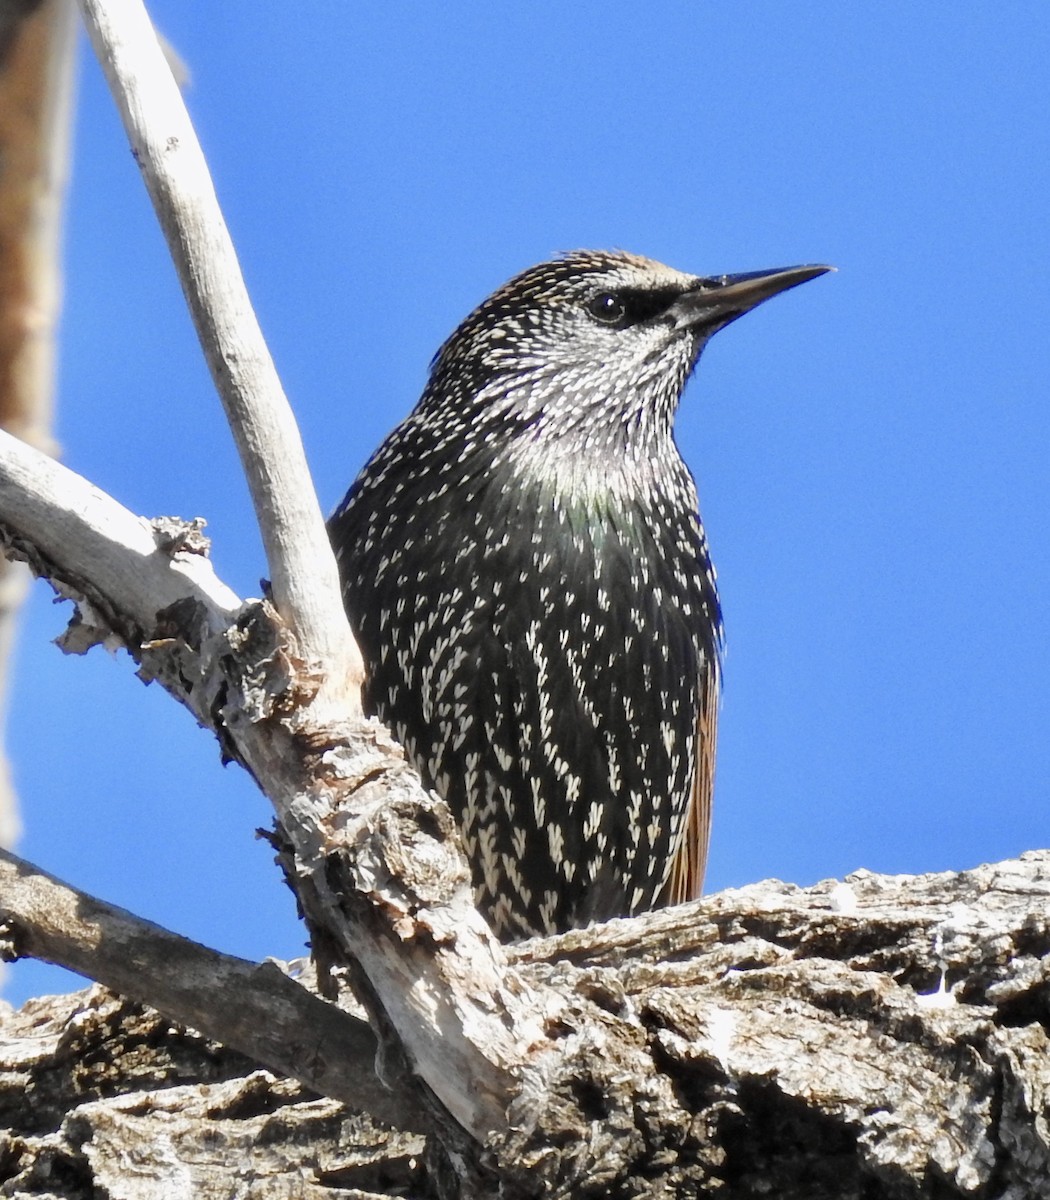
(871, 449)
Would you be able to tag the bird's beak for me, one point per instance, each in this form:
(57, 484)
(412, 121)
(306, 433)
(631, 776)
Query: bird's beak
(717, 301)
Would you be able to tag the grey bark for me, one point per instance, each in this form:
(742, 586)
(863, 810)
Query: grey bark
(256, 1008)
(102, 1098)
(883, 1038)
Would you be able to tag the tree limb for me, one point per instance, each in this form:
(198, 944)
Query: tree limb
(100, 1097)
(252, 1007)
(878, 1038)
(304, 577)
(37, 44)
(377, 864)
(377, 860)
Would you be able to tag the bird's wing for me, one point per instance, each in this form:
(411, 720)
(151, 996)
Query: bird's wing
(686, 877)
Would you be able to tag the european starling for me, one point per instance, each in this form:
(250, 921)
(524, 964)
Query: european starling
(525, 571)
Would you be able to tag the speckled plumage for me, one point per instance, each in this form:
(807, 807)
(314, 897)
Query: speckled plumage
(526, 573)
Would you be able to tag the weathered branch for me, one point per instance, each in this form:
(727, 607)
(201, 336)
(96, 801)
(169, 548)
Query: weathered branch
(881, 1037)
(303, 571)
(252, 1007)
(377, 865)
(100, 1097)
(76, 535)
(378, 868)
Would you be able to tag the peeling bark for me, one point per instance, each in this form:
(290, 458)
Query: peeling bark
(880, 1038)
(99, 1097)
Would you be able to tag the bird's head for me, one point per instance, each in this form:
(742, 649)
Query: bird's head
(594, 339)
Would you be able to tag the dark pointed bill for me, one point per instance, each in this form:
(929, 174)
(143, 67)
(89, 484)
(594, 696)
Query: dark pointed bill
(721, 298)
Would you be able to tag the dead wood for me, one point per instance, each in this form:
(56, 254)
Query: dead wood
(881, 1038)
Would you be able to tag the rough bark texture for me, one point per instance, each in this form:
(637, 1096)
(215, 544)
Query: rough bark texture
(880, 1038)
(271, 1013)
(101, 1098)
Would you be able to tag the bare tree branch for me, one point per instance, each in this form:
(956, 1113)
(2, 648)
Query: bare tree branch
(378, 868)
(880, 1037)
(100, 1096)
(304, 577)
(76, 535)
(253, 1007)
(377, 859)
(36, 83)
(277, 703)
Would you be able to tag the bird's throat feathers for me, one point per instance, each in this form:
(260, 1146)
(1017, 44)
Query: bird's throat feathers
(576, 478)
(578, 443)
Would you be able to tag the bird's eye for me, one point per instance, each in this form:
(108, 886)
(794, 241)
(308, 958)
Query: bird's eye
(607, 308)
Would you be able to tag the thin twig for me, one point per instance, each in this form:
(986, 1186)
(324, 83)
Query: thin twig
(302, 567)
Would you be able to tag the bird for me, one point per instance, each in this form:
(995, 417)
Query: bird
(526, 573)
